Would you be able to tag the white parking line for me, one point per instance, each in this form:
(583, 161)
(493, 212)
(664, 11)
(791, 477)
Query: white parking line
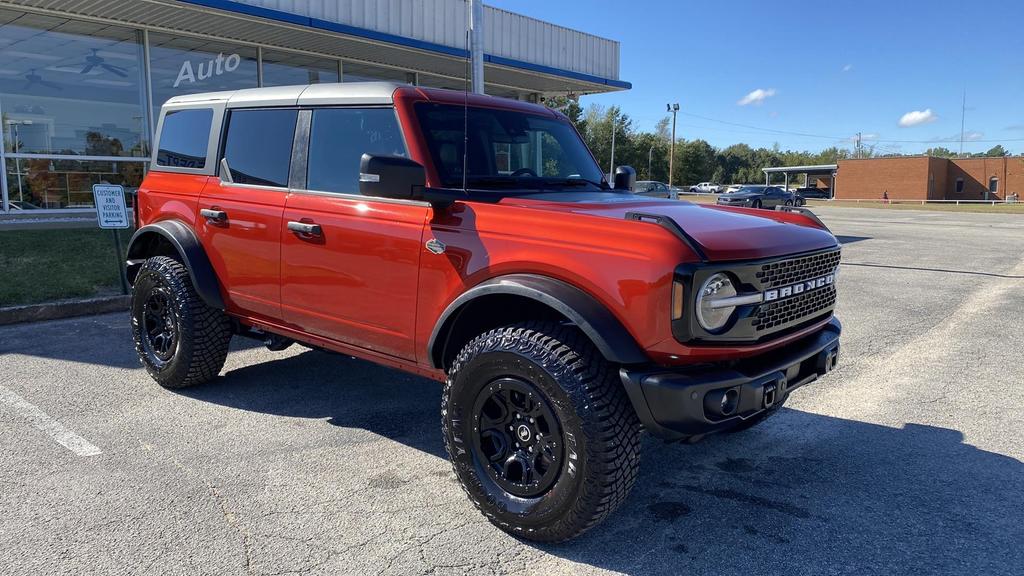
(44, 422)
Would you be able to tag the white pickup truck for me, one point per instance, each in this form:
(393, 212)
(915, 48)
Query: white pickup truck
(706, 188)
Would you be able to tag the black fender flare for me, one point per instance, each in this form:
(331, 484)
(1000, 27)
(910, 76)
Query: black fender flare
(185, 242)
(610, 337)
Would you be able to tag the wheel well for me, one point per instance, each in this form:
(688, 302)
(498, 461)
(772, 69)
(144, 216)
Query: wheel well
(487, 313)
(146, 246)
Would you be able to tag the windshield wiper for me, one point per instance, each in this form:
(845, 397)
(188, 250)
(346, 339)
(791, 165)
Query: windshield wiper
(578, 182)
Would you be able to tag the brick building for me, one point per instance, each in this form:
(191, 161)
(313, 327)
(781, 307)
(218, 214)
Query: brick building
(930, 178)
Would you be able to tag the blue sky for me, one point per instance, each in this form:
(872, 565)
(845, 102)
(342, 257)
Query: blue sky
(826, 68)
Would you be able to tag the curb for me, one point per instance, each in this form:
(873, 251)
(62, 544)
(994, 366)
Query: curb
(65, 309)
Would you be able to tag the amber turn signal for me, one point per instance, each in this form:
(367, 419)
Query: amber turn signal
(677, 300)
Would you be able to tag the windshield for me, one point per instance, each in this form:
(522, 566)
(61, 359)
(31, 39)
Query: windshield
(507, 150)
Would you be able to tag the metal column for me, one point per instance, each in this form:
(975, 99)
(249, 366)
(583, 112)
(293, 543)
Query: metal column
(476, 44)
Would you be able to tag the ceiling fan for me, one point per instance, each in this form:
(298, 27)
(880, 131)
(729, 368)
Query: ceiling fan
(96, 60)
(33, 79)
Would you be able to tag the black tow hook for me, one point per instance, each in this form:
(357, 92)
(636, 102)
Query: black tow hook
(770, 391)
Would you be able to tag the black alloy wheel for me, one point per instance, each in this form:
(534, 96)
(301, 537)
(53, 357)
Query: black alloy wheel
(518, 436)
(160, 324)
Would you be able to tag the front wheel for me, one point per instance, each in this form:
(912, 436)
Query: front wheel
(180, 340)
(755, 204)
(539, 430)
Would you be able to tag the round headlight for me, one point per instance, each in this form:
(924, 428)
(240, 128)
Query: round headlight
(712, 314)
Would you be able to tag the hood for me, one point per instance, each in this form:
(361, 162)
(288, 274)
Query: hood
(723, 233)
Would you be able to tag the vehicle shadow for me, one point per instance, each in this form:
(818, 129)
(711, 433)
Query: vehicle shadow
(803, 493)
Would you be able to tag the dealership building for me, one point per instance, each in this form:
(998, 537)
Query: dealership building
(82, 81)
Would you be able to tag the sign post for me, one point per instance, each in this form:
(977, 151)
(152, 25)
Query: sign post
(112, 214)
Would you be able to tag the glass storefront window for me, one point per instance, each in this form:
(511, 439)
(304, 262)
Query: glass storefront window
(37, 183)
(185, 65)
(286, 69)
(70, 87)
(356, 72)
(431, 81)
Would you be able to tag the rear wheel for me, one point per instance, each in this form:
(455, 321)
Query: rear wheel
(180, 340)
(539, 430)
(789, 202)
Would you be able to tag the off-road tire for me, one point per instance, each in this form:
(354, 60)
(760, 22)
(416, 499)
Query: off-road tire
(758, 419)
(598, 425)
(202, 333)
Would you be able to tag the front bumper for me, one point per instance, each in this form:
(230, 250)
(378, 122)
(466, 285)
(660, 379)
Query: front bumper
(680, 403)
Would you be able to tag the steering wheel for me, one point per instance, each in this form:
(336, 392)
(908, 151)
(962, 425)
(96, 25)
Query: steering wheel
(524, 172)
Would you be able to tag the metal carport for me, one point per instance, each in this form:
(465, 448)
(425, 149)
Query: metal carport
(808, 171)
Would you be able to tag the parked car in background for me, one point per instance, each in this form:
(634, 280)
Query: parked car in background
(733, 188)
(706, 188)
(822, 193)
(759, 197)
(656, 189)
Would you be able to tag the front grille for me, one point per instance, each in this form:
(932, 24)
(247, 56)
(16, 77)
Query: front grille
(783, 312)
(797, 270)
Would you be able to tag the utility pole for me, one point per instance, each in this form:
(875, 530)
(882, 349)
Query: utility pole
(674, 109)
(476, 44)
(963, 115)
(857, 146)
(649, 154)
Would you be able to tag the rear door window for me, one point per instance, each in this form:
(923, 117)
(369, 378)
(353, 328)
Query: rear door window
(184, 137)
(339, 137)
(258, 146)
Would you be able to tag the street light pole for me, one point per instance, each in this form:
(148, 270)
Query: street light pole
(674, 109)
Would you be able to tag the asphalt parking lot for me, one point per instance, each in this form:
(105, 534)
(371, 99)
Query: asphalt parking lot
(907, 460)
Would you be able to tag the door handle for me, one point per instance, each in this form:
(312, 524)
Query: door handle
(217, 216)
(305, 228)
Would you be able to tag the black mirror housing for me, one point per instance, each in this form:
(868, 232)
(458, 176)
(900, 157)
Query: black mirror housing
(391, 177)
(625, 178)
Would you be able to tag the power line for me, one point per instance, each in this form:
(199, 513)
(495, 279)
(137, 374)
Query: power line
(844, 138)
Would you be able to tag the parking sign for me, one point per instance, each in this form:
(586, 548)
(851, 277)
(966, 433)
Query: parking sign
(111, 213)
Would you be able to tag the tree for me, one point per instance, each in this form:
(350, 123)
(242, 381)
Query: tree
(997, 150)
(940, 152)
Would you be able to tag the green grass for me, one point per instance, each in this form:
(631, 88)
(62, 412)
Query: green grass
(46, 265)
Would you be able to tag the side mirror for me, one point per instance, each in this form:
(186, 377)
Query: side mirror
(625, 178)
(391, 177)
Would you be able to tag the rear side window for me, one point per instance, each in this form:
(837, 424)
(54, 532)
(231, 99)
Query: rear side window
(184, 137)
(338, 139)
(258, 146)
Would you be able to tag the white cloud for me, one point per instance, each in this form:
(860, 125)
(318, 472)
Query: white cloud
(848, 67)
(918, 117)
(757, 96)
